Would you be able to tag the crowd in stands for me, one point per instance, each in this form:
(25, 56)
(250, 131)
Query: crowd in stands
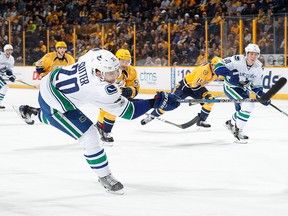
(151, 18)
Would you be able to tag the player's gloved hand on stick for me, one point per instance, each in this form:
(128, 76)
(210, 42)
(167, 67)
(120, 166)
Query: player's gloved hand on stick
(259, 95)
(166, 101)
(208, 96)
(12, 78)
(126, 92)
(244, 83)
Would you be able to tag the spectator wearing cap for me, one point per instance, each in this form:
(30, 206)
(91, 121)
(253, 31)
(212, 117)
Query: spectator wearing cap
(164, 16)
(186, 17)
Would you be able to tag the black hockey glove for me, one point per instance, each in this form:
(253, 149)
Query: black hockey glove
(127, 92)
(12, 78)
(166, 101)
(259, 95)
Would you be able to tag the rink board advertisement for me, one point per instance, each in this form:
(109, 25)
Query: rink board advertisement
(153, 79)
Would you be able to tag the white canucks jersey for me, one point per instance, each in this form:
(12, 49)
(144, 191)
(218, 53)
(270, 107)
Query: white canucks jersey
(6, 63)
(72, 86)
(241, 72)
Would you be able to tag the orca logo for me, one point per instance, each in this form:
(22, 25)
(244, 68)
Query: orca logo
(99, 57)
(111, 89)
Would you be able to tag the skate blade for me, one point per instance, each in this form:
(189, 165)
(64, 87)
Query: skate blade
(241, 141)
(119, 192)
(203, 129)
(107, 144)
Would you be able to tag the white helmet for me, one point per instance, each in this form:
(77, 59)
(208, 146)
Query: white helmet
(104, 61)
(7, 46)
(252, 48)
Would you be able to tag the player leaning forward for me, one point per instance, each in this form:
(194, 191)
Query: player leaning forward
(91, 80)
(242, 75)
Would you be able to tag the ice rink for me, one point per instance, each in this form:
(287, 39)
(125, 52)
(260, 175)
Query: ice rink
(166, 171)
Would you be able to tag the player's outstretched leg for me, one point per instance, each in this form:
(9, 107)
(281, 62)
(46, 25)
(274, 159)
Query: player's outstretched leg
(26, 112)
(111, 184)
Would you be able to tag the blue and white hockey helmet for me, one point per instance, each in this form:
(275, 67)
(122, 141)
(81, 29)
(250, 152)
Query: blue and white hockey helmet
(104, 61)
(8, 47)
(252, 48)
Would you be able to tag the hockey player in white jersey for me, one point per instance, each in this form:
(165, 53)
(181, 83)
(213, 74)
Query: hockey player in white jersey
(6, 70)
(90, 80)
(242, 75)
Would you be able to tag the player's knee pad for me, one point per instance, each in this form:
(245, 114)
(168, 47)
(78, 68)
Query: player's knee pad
(90, 139)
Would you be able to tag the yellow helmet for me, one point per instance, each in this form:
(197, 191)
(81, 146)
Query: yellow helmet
(60, 44)
(123, 54)
(215, 60)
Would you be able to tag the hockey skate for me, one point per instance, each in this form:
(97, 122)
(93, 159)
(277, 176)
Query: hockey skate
(26, 112)
(240, 136)
(203, 124)
(104, 136)
(148, 119)
(111, 184)
(229, 126)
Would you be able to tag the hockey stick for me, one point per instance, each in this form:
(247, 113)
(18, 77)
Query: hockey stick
(182, 126)
(218, 96)
(271, 92)
(221, 100)
(33, 86)
(278, 109)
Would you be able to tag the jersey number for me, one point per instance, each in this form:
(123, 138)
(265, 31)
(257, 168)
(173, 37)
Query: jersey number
(68, 86)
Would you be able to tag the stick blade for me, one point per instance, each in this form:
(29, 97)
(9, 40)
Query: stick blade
(274, 89)
(190, 123)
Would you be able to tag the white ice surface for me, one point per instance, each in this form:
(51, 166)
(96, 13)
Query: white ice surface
(166, 171)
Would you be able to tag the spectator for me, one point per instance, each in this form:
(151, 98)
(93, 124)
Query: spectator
(149, 62)
(157, 62)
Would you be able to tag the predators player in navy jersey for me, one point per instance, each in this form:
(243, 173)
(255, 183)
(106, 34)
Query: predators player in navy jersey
(55, 59)
(129, 85)
(193, 85)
